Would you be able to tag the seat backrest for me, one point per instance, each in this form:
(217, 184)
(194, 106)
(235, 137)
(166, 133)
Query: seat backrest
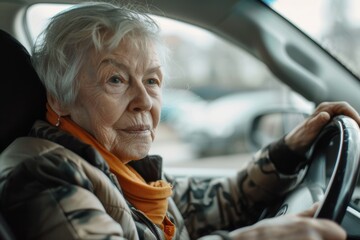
(22, 95)
(22, 99)
(5, 232)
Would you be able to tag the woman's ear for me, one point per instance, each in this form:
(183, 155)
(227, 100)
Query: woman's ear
(58, 108)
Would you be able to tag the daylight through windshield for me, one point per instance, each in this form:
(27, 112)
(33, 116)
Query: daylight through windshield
(334, 24)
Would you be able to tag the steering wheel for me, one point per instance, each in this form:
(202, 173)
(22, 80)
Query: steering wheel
(331, 175)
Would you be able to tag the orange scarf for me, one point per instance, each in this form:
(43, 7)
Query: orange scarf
(150, 198)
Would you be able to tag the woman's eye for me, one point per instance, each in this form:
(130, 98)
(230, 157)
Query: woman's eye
(115, 80)
(152, 81)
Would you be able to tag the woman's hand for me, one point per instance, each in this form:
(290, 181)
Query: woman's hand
(301, 227)
(300, 138)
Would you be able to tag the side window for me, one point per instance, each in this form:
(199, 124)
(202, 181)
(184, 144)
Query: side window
(213, 93)
(38, 15)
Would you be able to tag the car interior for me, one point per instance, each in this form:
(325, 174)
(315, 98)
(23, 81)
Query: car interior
(291, 56)
(23, 110)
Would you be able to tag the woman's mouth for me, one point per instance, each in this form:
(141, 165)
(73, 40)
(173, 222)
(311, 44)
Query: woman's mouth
(137, 129)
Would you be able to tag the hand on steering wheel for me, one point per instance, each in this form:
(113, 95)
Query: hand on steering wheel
(331, 177)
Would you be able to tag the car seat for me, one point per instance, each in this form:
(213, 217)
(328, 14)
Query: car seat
(22, 94)
(23, 99)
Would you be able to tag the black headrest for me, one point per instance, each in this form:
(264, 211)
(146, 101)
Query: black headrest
(22, 95)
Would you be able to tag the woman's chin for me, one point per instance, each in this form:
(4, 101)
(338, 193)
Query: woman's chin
(134, 153)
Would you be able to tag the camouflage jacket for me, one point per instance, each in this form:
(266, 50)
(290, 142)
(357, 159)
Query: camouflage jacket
(53, 186)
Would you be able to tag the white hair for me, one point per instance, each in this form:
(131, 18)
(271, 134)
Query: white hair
(72, 34)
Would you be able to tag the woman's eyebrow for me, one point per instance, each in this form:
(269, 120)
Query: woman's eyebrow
(114, 62)
(156, 69)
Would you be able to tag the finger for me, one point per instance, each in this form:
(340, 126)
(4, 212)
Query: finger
(319, 119)
(337, 108)
(315, 123)
(311, 211)
(300, 137)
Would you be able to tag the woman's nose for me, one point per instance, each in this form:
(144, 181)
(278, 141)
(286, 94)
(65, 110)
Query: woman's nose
(141, 100)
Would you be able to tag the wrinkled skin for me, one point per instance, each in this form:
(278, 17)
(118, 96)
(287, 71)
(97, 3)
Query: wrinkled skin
(119, 99)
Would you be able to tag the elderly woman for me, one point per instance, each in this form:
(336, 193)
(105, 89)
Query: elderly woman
(86, 172)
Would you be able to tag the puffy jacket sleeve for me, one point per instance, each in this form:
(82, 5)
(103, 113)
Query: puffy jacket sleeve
(227, 203)
(50, 196)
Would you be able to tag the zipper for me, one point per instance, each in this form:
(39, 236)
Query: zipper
(147, 222)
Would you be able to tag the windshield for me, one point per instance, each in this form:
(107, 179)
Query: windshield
(333, 24)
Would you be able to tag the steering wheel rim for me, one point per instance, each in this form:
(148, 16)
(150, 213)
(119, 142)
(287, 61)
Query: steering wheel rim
(346, 170)
(335, 195)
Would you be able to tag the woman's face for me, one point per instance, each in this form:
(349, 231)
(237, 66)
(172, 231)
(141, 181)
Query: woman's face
(119, 99)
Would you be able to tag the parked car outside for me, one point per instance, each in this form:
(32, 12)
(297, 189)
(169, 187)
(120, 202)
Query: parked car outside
(222, 126)
(178, 103)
